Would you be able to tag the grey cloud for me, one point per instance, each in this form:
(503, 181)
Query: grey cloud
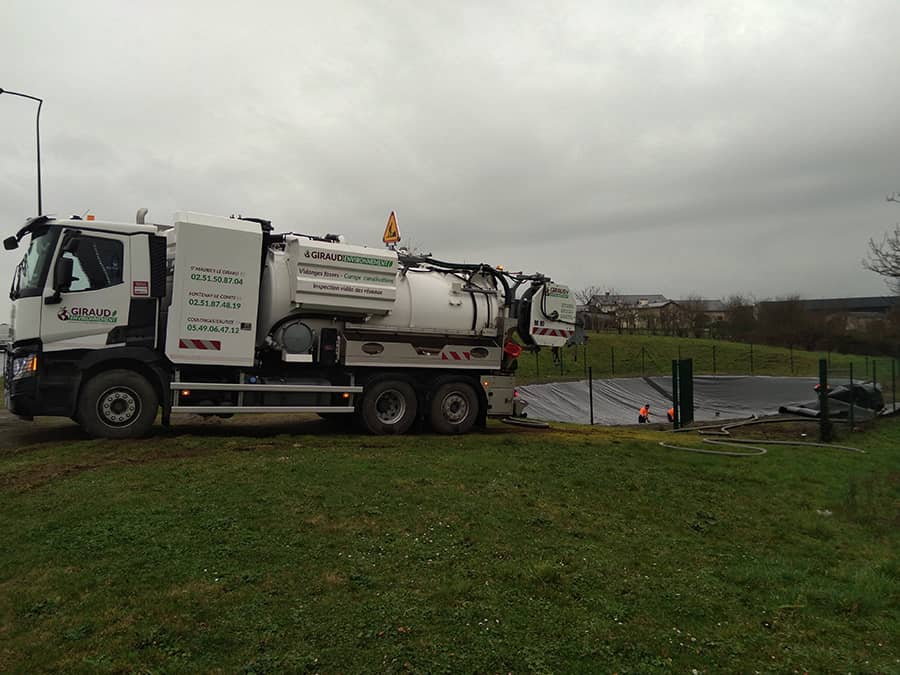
(656, 146)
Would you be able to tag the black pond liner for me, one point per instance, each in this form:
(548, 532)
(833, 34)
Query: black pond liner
(716, 397)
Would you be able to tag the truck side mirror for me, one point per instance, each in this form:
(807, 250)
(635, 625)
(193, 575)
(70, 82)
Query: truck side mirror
(10, 243)
(62, 279)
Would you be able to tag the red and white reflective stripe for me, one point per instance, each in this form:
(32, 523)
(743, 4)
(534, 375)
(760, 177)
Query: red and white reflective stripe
(552, 332)
(215, 345)
(456, 356)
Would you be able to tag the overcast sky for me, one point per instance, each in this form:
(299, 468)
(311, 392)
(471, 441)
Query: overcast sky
(651, 147)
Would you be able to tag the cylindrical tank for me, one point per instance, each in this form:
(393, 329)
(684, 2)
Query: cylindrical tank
(434, 301)
(426, 300)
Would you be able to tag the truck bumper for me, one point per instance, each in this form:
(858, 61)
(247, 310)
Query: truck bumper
(41, 393)
(20, 395)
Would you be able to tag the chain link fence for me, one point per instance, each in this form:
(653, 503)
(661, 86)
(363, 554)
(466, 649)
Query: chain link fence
(632, 359)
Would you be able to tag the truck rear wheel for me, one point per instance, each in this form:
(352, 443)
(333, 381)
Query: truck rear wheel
(117, 404)
(388, 407)
(454, 408)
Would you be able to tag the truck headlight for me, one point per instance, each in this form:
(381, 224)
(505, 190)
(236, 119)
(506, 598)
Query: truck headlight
(24, 366)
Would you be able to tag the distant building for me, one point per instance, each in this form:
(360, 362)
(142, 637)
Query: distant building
(856, 313)
(610, 301)
(630, 312)
(713, 310)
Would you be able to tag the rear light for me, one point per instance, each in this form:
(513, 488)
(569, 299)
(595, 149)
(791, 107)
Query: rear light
(512, 349)
(515, 393)
(90, 216)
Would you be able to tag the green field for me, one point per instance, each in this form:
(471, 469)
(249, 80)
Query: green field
(286, 548)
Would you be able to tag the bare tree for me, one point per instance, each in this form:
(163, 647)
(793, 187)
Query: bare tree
(884, 257)
(586, 294)
(590, 314)
(740, 317)
(784, 321)
(694, 316)
(619, 314)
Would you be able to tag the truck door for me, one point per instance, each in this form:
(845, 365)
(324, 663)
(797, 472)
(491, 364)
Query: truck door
(96, 300)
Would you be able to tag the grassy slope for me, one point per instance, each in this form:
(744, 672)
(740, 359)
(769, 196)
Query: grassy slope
(620, 355)
(568, 550)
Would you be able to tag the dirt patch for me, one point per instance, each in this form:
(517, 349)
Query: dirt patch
(16, 433)
(34, 477)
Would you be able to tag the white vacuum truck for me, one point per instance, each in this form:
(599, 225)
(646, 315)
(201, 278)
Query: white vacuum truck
(211, 315)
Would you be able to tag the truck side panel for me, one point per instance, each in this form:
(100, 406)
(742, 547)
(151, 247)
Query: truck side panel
(212, 318)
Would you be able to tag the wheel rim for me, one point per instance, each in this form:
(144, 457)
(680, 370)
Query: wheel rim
(390, 406)
(455, 407)
(119, 407)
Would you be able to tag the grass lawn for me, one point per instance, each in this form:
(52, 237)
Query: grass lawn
(569, 550)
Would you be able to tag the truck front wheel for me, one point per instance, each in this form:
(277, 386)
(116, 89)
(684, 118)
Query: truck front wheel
(388, 407)
(454, 408)
(117, 404)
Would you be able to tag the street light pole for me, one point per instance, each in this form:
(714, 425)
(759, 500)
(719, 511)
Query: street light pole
(37, 135)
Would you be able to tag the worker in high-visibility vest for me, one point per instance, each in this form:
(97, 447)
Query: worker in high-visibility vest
(644, 414)
(670, 414)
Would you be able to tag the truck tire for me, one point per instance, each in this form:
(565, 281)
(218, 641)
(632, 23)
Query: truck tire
(454, 408)
(117, 404)
(388, 407)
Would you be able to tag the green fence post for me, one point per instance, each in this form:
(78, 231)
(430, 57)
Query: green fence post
(874, 381)
(590, 375)
(643, 370)
(792, 359)
(714, 359)
(824, 422)
(675, 401)
(686, 390)
(893, 385)
(851, 419)
(537, 365)
(751, 358)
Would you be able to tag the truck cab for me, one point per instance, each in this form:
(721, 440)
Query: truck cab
(83, 293)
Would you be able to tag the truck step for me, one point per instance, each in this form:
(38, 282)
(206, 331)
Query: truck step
(217, 409)
(309, 388)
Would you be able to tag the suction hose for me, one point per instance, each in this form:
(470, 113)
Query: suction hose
(750, 444)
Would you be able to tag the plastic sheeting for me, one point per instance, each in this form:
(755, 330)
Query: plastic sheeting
(867, 400)
(617, 401)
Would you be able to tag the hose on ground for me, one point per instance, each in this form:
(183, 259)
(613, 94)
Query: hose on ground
(752, 444)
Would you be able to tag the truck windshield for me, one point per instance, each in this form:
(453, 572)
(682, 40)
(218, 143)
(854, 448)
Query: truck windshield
(31, 272)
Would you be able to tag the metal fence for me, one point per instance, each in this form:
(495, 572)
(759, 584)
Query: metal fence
(637, 360)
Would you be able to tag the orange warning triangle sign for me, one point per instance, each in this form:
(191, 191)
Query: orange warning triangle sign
(391, 233)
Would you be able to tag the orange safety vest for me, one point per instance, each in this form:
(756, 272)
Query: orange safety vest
(672, 413)
(644, 411)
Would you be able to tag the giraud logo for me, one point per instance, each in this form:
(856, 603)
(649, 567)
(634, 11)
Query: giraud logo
(558, 291)
(348, 258)
(88, 314)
